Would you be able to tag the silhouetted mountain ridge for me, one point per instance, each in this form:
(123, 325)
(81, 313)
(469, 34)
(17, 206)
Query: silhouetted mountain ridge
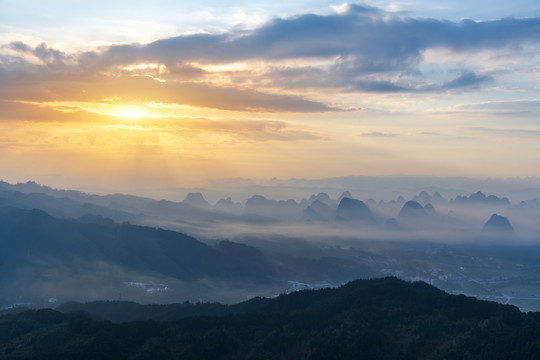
(376, 319)
(384, 292)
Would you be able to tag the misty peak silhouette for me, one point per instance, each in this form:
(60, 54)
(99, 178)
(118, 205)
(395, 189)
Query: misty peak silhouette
(412, 209)
(352, 209)
(498, 224)
(196, 199)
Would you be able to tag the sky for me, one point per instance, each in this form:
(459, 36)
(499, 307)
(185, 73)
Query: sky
(126, 95)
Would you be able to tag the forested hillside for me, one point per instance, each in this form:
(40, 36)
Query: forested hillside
(370, 319)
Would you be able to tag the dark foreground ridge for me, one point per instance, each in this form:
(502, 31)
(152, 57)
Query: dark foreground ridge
(365, 319)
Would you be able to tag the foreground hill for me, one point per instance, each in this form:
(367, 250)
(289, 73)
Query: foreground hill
(369, 319)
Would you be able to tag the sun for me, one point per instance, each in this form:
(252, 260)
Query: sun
(128, 112)
(132, 112)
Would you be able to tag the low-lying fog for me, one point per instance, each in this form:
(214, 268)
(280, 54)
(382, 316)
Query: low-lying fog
(427, 217)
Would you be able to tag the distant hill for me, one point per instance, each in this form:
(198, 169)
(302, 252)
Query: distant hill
(365, 319)
(288, 210)
(196, 199)
(310, 214)
(412, 209)
(30, 238)
(430, 210)
(425, 198)
(352, 209)
(322, 197)
(478, 198)
(318, 211)
(228, 205)
(498, 224)
(59, 206)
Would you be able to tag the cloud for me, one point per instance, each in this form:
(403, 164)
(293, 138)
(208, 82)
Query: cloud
(430, 133)
(36, 112)
(464, 81)
(467, 79)
(377, 134)
(36, 87)
(359, 50)
(387, 134)
(256, 130)
(245, 129)
(514, 107)
(299, 78)
(379, 40)
(365, 42)
(514, 133)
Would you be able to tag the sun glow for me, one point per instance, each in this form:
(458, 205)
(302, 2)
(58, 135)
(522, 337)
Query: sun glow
(129, 111)
(133, 113)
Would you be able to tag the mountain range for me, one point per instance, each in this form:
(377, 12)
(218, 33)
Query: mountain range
(195, 215)
(62, 245)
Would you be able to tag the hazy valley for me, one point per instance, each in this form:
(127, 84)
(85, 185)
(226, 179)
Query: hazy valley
(62, 245)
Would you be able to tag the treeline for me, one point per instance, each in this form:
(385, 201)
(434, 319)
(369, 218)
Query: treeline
(366, 319)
